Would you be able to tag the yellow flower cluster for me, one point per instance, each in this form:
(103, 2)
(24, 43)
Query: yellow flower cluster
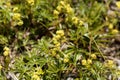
(66, 58)
(86, 62)
(93, 56)
(63, 6)
(39, 71)
(109, 63)
(15, 9)
(36, 75)
(77, 21)
(6, 51)
(69, 10)
(57, 40)
(17, 18)
(89, 60)
(31, 2)
(111, 27)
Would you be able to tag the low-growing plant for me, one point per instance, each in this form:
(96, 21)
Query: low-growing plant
(57, 40)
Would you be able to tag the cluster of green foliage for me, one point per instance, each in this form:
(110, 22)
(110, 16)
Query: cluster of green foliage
(56, 39)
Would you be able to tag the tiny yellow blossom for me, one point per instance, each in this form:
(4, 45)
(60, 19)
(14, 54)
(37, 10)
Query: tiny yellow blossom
(118, 4)
(15, 9)
(81, 22)
(89, 61)
(115, 31)
(6, 48)
(66, 60)
(31, 2)
(16, 16)
(53, 53)
(110, 62)
(0, 66)
(60, 32)
(57, 37)
(66, 19)
(55, 12)
(75, 20)
(35, 77)
(69, 9)
(84, 62)
(55, 41)
(93, 56)
(63, 40)
(59, 8)
(110, 26)
(62, 3)
(40, 71)
(20, 23)
(6, 53)
(57, 48)
(57, 45)
(57, 56)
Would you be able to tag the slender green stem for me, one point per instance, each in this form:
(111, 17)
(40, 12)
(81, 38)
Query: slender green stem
(99, 49)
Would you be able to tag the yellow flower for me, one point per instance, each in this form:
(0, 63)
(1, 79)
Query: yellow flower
(59, 8)
(40, 71)
(66, 19)
(69, 9)
(89, 61)
(75, 20)
(110, 62)
(118, 4)
(35, 77)
(55, 12)
(81, 22)
(6, 48)
(57, 45)
(20, 23)
(60, 32)
(57, 37)
(55, 42)
(93, 56)
(53, 53)
(58, 56)
(62, 3)
(31, 2)
(84, 62)
(0, 66)
(66, 60)
(110, 26)
(63, 40)
(115, 31)
(6, 53)
(16, 16)
(15, 9)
